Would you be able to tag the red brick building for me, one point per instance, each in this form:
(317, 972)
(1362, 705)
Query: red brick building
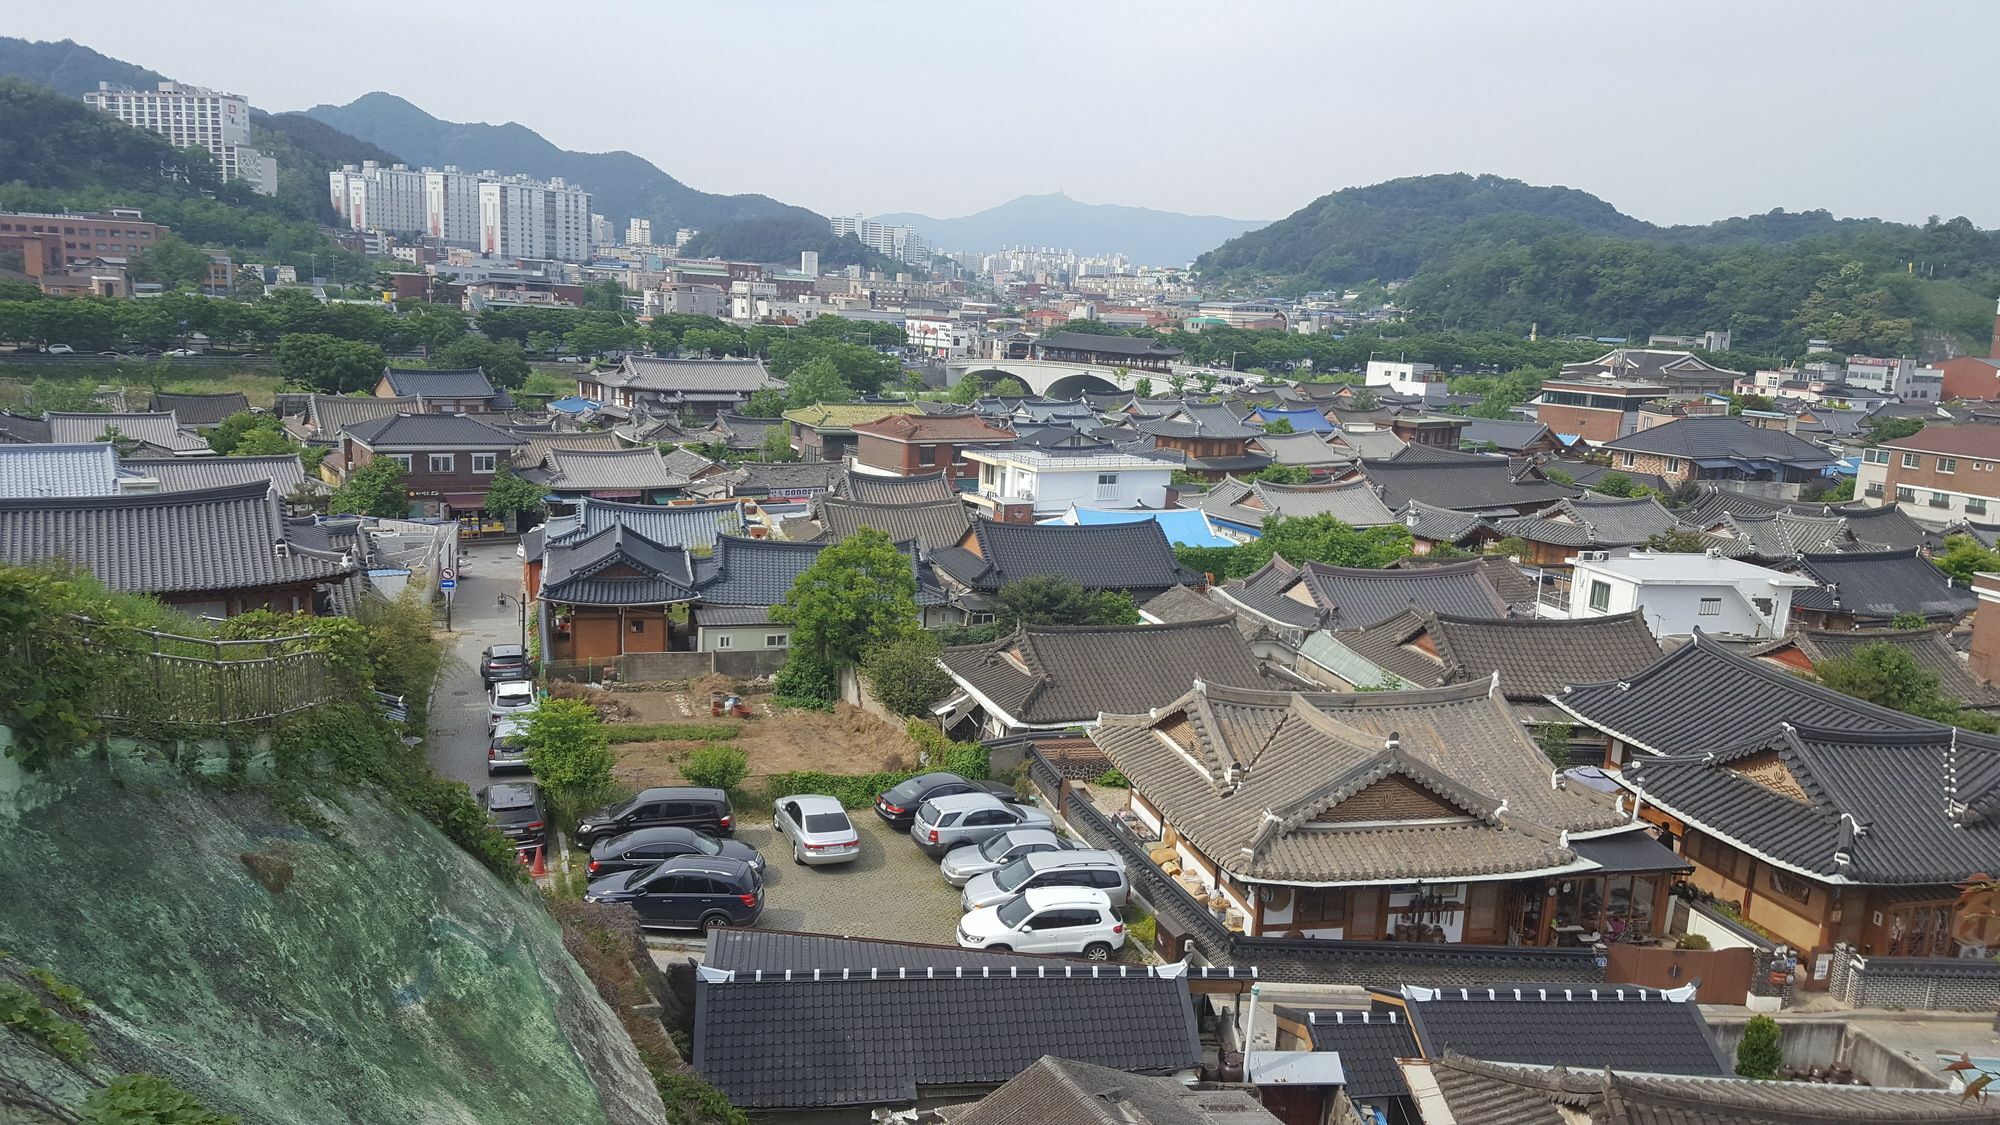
(910, 445)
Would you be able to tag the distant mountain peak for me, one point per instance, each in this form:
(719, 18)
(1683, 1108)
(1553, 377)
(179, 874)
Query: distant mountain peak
(1056, 218)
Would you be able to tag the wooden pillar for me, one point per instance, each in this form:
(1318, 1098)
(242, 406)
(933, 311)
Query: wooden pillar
(621, 630)
(1544, 930)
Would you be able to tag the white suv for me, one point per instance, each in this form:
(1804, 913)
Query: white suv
(1047, 920)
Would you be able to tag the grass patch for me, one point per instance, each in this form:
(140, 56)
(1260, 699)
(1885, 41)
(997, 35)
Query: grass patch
(672, 732)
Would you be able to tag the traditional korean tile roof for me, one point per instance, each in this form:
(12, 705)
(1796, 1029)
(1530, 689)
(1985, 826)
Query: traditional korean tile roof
(1588, 1027)
(1442, 525)
(463, 382)
(933, 525)
(327, 415)
(1198, 420)
(574, 571)
(760, 572)
(845, 415)
(1378, 445)
(1369, 1044)
(87, 469)
(935, 427)
(176, 543)
(780, 951)
(1587, 474)
(1516, 587)
(1357, 596)
(1307, 449)
(162, 431)
(1249, 503)
(1913, 806)
(1469, 484)
(622, 470)
(848, 1040)
(539, 445)
(867, 488)
(1509, 435)
(1534, 657)
(1718, 437)
(284, 474)
(1781, 535)
(1587, 521)
(1064, 1092)
(425, 432)
(1178, 605)
(1050, 675)
(1118, 556)
(652, 373)
(1108, 345)
(687, 463)
(1927, 646)
(670, 525)
(1291, 787)
(1881, 585)
(1888, 526)
(1263, 593)
(200, 410)
(1303, 419)
(18, 428)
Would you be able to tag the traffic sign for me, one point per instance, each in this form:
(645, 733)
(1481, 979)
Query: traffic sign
(448, 584)
(448, 574)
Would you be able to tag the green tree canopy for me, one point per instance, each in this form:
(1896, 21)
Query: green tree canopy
(858, 595)
(374, 489)
(171, 262)
(1278, 426)
(1045, 599)
(510, 494)
(904, 674)
(503, 362)
(571, 757)
(818, 382)
(1302, 539)
(1676, 541)
(766, 402)
(1887, 675)
(1963, 557)
(777, 445)
(1010, 387)
(329, 364)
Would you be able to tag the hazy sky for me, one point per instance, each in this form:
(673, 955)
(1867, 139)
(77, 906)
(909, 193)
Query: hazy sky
(1674, 112)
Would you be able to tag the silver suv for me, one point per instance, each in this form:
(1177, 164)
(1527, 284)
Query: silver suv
(964, 863)
(1083, 867)
(944, 823)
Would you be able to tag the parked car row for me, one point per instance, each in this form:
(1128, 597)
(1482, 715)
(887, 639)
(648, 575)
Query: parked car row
(668, 853)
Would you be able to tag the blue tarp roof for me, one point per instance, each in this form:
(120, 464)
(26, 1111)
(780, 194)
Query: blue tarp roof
(1183, 527)
(574, 405)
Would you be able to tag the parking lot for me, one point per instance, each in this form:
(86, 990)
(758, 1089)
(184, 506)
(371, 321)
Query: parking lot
(893, 891)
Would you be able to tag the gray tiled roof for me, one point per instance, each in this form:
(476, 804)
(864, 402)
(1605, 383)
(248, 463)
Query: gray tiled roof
(1588, 474)
(200, 410)
(327, 415)
(1927, 646)
(1881, 584)
(1781, 535)
(88, 469)
(760, 572)
(1441, 525)
(862, 1041)
(1352, 502)
(671, 525)
(1622, 1027)
(1108, 345)
(284, 474)
(1515, 586)
(1111, 556)
(20, 428)
(1713, 437)
(1509, 435)
(687, 463)
(464, 382)
(574, 569)
(175, 543)
(1592, 521)
(1255, 780)
(540, 445)
(1369, 1044)
(1882, 807)
(867, 488)
(1473, 484)
(162, 431)
(1888, 526)
(779, 951)
(622, 470)
(1180, 604)
(1049, 675)
(660, 374)
(1356, 596)
(1534, 657)
(1372, 444)
(1303, 449)
(1198, 420)
(1263, 592)
(424, 432)
(741, 431)
(759, 478)
(1065, 1092)
(937, 524)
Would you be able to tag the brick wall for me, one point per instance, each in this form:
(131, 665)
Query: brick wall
(1676, 470)
(1944, 984)
(1595, 425)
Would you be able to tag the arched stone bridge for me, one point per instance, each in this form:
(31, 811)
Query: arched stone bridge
(1051, 379)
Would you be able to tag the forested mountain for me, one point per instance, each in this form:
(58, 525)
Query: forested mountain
(1483, 252)
(68, 67)
(1149, 237)
(622, 185)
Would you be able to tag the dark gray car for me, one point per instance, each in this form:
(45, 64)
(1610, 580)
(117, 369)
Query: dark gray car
(648, 846)
(686, 893)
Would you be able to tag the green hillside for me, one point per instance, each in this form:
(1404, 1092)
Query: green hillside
(68, 67)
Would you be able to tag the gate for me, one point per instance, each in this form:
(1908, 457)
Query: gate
(1724, 974)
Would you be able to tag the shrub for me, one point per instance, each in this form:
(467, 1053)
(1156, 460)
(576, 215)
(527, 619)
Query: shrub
(1112, 779)
(805, 681)
(1692, 941)
(671, 732)
(1757, 1053)
(570, 756)
(853, 791)
(904, 674)
(968, 760)
(716, 767)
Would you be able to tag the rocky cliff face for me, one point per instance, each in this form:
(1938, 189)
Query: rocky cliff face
(380, 977)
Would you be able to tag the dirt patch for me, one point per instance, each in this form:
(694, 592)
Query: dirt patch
(846, 740)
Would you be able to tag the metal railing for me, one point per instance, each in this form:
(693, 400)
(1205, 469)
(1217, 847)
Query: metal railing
(198, 681)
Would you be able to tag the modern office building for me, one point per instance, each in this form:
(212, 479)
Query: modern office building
(520, 218)
(193, 115)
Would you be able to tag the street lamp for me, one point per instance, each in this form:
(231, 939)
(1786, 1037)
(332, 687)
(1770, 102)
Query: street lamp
(520, 605)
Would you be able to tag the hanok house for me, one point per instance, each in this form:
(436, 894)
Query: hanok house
(1822, 818)
(215, 552)
(633, 476)
(1133, 557)
(1510, 436)
(1050, 677)
(611, 593)
(1314, 595)
(158, 435)
(1556, 533)
(1239, 508)
(449, 460)
(200, 412)
(692, 526)
(909, 445)
(1464, 482)
(1683, 374)
(1211, 440)
(1858, 590)
(826, 432)
(1421, 816)
(701, 388)
(463, 390)
(1142, 353)
(1803, 650)
(743, 579)
(1719, 447)
(933, 524)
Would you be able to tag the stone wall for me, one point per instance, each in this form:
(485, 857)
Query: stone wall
(1946, 984)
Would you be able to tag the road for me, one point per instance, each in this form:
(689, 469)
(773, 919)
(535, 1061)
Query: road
(458, 713)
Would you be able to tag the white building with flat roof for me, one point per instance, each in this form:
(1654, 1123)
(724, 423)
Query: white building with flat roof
(1406, 378)
(372, 197)
(520, 218)
(1054, 480)
(1677, 593)
(451, 204)
(193, 115)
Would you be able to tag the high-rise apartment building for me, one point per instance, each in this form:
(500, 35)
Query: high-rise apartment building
(192, 115)
(523, 218)
(901, 243)
(600, 231)
(638, 232)
(451, 204)
(371, 197)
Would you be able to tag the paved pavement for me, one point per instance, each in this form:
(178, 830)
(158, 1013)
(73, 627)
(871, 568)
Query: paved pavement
(893, 891)
(458, 709)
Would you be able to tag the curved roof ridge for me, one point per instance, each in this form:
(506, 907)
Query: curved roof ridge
(1469, 566)
(1638, 615)
(1148, 627)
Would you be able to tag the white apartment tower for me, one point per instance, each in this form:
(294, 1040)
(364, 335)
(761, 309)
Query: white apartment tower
(638, 232)
(600, 230)
(523, 218)
(451, 205)
(371, 197)
(192, 115)
(901, 243)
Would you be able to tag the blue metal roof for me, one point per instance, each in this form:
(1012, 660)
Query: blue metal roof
(1183, 527)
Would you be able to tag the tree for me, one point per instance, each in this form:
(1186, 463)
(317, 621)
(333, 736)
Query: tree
(1614, 484)
(570, 756)
(967, 390)
(1046, 599)
(1328, 540)
(598, 335)
(1676, 541)
(171, 262)
(904, 674)
(1892, 429)
(1963, 557)
(765, 402)
(1278, 426)
(777, 445)
(1282, 474)
(1177, 384)
(604, 296)
(64, 397)
(503, 363)
(857, 596)
(265, 441)
(1143, 387)
(509, 495)
(1558, 476)
(1887, 675)
(716, 766)
(1757, 1053)
(1363, 400)
(817, 382)
(374, 489)
(1010, 387)
(329, 364)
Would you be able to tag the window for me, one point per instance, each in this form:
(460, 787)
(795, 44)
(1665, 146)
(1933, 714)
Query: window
(402, 459)
(1790, 885)
(1911, 461)
(1319, 906)
(1765, 606)
(724, 640)
(1107, 486)
(1874, 489)
(1600, 595)
(1673, 464)
(1947, 464)
(444, 462)
(1711, 607)
(927, 455)
(774, 640)
(638, 624)
(1627, 460)
(1975, 506)
(1905, 495)
(485, 462)
(1940, 500)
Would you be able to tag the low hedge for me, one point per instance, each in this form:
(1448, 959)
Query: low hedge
(672, 732)
(853, 791)
(966, 759)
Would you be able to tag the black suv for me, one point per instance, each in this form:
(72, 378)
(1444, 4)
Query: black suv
(516, 810)
(704, 810)
(648, 846)
(899, 805)
(688, 892)
(504, 662)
